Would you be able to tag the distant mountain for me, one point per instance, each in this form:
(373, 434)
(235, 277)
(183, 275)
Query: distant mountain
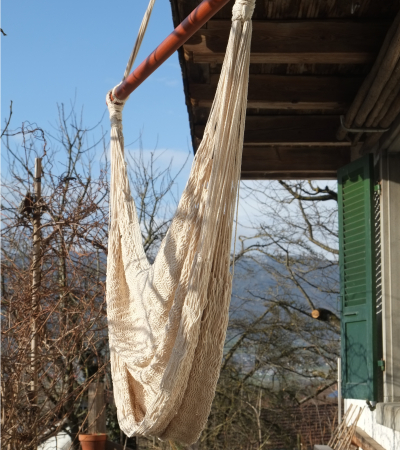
(252, 278)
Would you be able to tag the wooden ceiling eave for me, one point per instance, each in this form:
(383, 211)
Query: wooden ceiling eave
(177, 18)
(306, 68)
(293, 42)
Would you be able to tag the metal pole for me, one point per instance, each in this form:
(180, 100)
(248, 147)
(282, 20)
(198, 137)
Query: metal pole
(36, 279)
(193, 22)
(339, 390)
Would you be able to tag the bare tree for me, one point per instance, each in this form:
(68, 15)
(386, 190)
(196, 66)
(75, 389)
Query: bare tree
(70, 317)
(277, 355)
(71, 326)
(274, 344)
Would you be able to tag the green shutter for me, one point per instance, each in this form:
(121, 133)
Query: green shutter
(357, 280)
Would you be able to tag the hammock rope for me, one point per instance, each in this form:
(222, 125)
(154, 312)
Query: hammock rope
(167, 321)
(139, 38)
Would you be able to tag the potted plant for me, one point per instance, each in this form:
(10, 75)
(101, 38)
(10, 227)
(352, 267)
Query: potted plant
(96, 441)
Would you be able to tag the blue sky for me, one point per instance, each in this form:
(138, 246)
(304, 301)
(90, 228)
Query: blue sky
(56, 51)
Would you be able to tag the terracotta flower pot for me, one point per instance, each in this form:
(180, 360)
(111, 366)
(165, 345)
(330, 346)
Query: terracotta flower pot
(93, 441)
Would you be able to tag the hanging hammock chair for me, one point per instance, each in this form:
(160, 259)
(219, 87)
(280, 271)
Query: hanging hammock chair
(167, 320)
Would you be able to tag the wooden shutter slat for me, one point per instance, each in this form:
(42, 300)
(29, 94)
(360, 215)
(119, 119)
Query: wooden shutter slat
(355, 258)
(356, 252)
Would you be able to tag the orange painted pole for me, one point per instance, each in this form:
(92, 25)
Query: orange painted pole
(193, 22)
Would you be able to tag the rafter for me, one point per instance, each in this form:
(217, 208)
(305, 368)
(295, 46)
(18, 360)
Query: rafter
(297, 130)
(287, 92)
(294, 42)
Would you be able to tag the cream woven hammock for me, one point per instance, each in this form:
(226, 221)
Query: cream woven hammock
(167, 320)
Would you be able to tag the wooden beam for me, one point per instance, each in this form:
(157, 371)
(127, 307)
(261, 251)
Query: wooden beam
(294, 42)
(96, 408)
(280, 158)
(289, 130)
(363, 440)
(287, 92)
(197, 18)
(289, 176)
(276, 162)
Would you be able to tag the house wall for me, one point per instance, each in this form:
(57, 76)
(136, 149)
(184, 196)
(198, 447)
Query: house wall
(383, 424)
(60, 442)
(385, 436)
(390, 243)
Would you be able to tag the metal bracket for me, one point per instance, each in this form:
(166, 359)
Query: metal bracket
(371, 405)
(381, 364)
(361, 130)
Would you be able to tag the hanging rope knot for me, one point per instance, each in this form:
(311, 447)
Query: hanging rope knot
(115, 108)
(243, 10)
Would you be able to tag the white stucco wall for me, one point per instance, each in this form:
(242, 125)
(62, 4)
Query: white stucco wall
(388, 438)
(60, 442)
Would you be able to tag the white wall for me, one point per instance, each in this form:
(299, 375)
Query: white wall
(388, 438)
(60, 442)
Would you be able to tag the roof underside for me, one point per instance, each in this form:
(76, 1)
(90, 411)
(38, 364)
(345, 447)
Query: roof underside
(308, 60)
